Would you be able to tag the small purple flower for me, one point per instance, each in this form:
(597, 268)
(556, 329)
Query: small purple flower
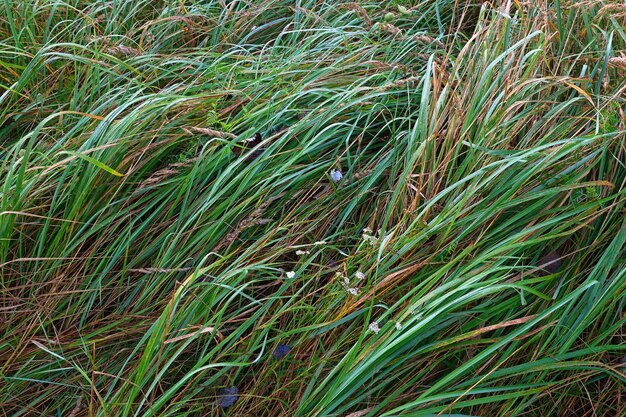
(550, 262)
(228, 397)
(336, 175)
(374, 327)
(281, 351)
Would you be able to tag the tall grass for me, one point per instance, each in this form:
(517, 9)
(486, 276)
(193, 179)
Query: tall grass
(151, 256)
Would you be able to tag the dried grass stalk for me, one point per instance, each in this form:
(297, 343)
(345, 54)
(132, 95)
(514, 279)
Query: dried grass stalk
(618, 62)
(209, 132)
(121, 50)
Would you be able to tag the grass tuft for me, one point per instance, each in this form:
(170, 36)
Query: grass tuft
(312, 208)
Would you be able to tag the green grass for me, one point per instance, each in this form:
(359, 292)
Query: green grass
(146, 252)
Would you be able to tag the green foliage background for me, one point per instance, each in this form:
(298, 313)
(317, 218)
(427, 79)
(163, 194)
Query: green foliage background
(145, 246)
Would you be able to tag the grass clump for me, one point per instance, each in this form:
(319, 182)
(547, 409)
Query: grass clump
(312, 208)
